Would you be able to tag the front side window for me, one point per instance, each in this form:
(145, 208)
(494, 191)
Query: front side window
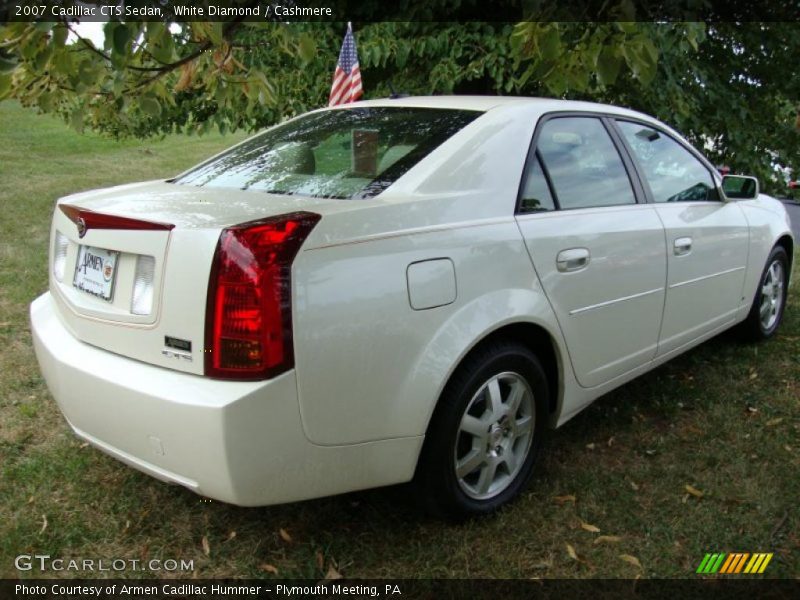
(344, 153)
(674, 174)
(584, 166)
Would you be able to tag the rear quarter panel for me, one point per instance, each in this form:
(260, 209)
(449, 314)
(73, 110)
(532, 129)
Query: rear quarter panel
(371, 367)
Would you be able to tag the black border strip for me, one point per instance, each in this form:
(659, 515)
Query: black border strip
(365, 11)
(598, 589)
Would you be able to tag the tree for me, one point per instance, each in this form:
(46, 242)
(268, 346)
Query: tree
(728, 86)
(150, 77)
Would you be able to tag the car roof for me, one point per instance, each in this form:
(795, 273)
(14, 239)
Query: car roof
(485, 103)
(481, 103)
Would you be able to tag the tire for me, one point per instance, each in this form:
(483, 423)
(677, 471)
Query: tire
(472, 426)
(766, 313)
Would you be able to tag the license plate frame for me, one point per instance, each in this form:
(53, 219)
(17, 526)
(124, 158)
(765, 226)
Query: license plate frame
(96, 273)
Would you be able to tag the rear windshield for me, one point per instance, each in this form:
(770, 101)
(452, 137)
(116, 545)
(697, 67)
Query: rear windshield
(345, 153)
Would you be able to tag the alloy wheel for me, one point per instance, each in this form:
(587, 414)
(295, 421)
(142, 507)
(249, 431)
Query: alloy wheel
(771, 295)
(494, 436)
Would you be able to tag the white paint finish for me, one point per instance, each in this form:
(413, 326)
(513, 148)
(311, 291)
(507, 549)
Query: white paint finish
(767, 221)
(189, 207)
(359, 345)
(431, 283)
(238, 442)
(497, 103)
(582, 397)
(369, 368)
(609, 311)
(186, 267)
(130, 244)
(705, 284)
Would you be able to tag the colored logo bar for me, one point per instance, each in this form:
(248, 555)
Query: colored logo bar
(734, 563)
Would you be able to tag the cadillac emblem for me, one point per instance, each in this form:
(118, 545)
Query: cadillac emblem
(81, 226)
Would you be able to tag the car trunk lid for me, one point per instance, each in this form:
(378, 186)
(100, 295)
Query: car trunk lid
(158, 237)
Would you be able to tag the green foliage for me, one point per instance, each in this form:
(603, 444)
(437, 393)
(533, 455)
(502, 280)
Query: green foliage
(729, 87)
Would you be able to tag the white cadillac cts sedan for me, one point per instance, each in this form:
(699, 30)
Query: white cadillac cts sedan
(393, 291)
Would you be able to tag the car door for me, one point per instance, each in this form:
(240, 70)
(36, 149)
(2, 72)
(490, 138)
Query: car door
(707, 238)
(599, 254)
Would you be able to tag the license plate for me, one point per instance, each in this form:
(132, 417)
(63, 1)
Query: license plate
(95, 271)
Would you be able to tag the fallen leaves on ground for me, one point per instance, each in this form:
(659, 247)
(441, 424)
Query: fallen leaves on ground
(589, 527)
(206, 546)
(285, 535)
(571, 551)
(268, 568)
(564, 499)
(631, 560)
(607, 539)
(693, 491)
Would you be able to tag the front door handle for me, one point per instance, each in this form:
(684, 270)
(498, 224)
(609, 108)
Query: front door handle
(573, 259)
(682, 246)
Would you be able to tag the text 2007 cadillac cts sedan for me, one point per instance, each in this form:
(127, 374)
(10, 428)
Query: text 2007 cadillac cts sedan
(396, 290)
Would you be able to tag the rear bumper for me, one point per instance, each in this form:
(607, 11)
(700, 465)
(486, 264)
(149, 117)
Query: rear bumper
(238, 442)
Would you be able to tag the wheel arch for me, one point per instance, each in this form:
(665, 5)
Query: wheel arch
(538, 340)
(787, 243)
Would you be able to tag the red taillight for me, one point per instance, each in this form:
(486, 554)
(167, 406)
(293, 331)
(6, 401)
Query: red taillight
(249, 306)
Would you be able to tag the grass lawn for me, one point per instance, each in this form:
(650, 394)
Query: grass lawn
(610, 498)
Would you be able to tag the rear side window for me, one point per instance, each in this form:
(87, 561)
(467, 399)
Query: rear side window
(345, 153)
(536, 194)
(584, 166)
(674, 173)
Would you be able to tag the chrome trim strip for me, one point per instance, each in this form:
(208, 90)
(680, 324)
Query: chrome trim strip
(704, 277)
(615, 301)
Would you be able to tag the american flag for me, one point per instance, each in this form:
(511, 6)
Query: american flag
(347, 77)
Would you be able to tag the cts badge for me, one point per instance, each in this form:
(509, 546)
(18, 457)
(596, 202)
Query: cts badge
(177, 348)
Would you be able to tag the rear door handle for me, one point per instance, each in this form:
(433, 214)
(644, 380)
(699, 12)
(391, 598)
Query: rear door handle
(573, 259)
(682, 246)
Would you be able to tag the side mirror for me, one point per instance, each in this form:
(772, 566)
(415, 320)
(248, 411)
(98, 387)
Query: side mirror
(740, 187)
